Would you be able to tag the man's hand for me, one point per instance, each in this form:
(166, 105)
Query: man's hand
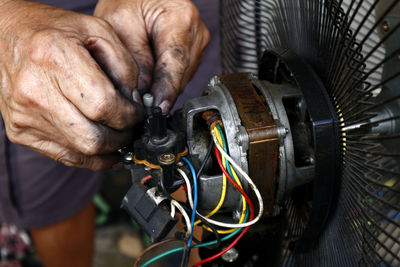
(68, 86)
(166, 38)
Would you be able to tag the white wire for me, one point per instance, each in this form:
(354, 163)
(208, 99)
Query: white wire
(189, 187)
(176, 204)
(172, 210)
(252, 185)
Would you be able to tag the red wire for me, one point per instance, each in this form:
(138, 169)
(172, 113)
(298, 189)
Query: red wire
(233, 182)
(245, 229)
(145, 179)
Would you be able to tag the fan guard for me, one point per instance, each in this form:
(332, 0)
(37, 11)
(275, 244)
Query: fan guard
(354, 47)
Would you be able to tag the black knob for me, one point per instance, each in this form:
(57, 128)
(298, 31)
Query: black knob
(158, 123)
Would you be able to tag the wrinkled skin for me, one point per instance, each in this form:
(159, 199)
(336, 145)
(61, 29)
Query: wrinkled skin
(166, 38)
(69, 82)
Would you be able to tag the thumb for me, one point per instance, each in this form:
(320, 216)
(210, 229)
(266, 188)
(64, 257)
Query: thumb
(136, 40)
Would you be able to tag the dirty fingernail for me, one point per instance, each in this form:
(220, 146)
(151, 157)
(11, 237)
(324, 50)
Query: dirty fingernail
(165, 106)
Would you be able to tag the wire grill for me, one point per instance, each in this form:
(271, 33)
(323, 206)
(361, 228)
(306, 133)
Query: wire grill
(354, 46)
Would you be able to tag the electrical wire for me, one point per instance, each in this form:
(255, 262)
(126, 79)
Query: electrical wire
(251, 212)
(203, 164)
(153, 247)
(176, 204)
(145, 179)
(195, 196)
(193, 202)
(190, 200)
(210, 243)
(220, 202)
(243, 232)
(213, 229)
(250, 182)
(221, 141)
(189, 192)
(248, 179)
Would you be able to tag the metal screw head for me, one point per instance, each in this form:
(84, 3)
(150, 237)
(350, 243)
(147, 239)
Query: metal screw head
(231, 255)
(128, 156)
(385, 25)
(310, 160)
(167, 158)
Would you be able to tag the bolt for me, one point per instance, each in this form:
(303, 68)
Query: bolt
(385, 25)
(128, 156)
(167, 158)
(310, 160)
(214, 81)
(179, 164)
(253, 76)
(299, 104)
(231, 255)
(147, 168)
(283, 131)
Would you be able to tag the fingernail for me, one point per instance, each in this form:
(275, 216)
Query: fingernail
(118, 166)
(165, 106)
(136, 97)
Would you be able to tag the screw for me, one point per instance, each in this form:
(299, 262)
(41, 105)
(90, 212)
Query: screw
(385, 26)
(231, 255)
(167, 158)
(309, 160)
(128, 157)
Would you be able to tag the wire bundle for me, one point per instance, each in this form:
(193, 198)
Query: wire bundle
(228, 167)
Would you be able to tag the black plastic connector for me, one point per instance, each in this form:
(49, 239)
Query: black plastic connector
(155, 221)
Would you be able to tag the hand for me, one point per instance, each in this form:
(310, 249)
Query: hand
(68, 86)
(166, 38)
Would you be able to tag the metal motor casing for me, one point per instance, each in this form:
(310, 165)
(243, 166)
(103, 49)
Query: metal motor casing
(219, 97)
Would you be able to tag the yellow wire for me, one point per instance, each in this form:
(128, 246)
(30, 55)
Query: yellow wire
(222, 199)
(223, 192)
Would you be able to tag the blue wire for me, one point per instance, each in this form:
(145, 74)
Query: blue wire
(194, 198)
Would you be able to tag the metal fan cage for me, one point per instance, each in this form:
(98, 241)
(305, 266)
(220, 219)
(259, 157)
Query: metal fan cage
(354, 46)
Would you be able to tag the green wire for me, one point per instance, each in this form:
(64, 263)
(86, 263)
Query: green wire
(169, 252)
(228, 168)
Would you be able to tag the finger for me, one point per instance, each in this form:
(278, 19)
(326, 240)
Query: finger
(74, 131)
(168, 76)
(38, 141)
(137, 43)
(124, 75)
(178, 57)
(74, 159)
(88, 137)
(94, 94)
